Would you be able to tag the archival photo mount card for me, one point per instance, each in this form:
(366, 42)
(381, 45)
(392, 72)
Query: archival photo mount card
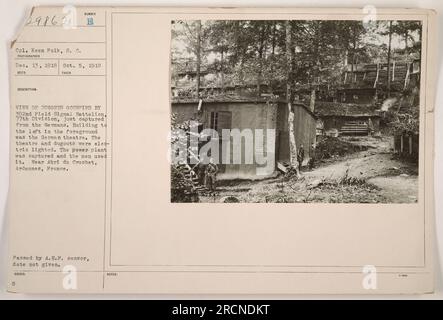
(222, 151)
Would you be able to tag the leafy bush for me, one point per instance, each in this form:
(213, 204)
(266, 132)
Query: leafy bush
(182, 187)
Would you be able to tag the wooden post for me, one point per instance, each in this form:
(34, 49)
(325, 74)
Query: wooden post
(312, 100)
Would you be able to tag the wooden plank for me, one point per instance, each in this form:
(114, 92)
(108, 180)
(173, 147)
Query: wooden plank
(281, 167)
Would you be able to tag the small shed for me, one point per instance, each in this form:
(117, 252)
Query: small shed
(356, 95)
(231, 112)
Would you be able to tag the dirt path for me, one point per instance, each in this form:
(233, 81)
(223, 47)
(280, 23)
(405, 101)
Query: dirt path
(398, 189)
(397, 179)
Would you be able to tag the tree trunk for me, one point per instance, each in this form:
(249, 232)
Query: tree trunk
(198, 53)
(346, 63)
(241, 76)
(291, 131)
(406, 42)
(354, 49)
(222, 72)
(273, 44)
(260, 72)
(260, 60)
(312, 101)
(239, 54)
(316, 69)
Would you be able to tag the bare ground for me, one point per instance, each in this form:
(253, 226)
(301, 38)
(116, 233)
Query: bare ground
(371, 176)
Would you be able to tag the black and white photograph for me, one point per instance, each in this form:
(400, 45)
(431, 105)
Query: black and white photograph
(299, 111)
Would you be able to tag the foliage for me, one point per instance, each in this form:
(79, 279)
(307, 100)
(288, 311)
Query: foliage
(330, 147)
(404, 116)
(182, 185)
